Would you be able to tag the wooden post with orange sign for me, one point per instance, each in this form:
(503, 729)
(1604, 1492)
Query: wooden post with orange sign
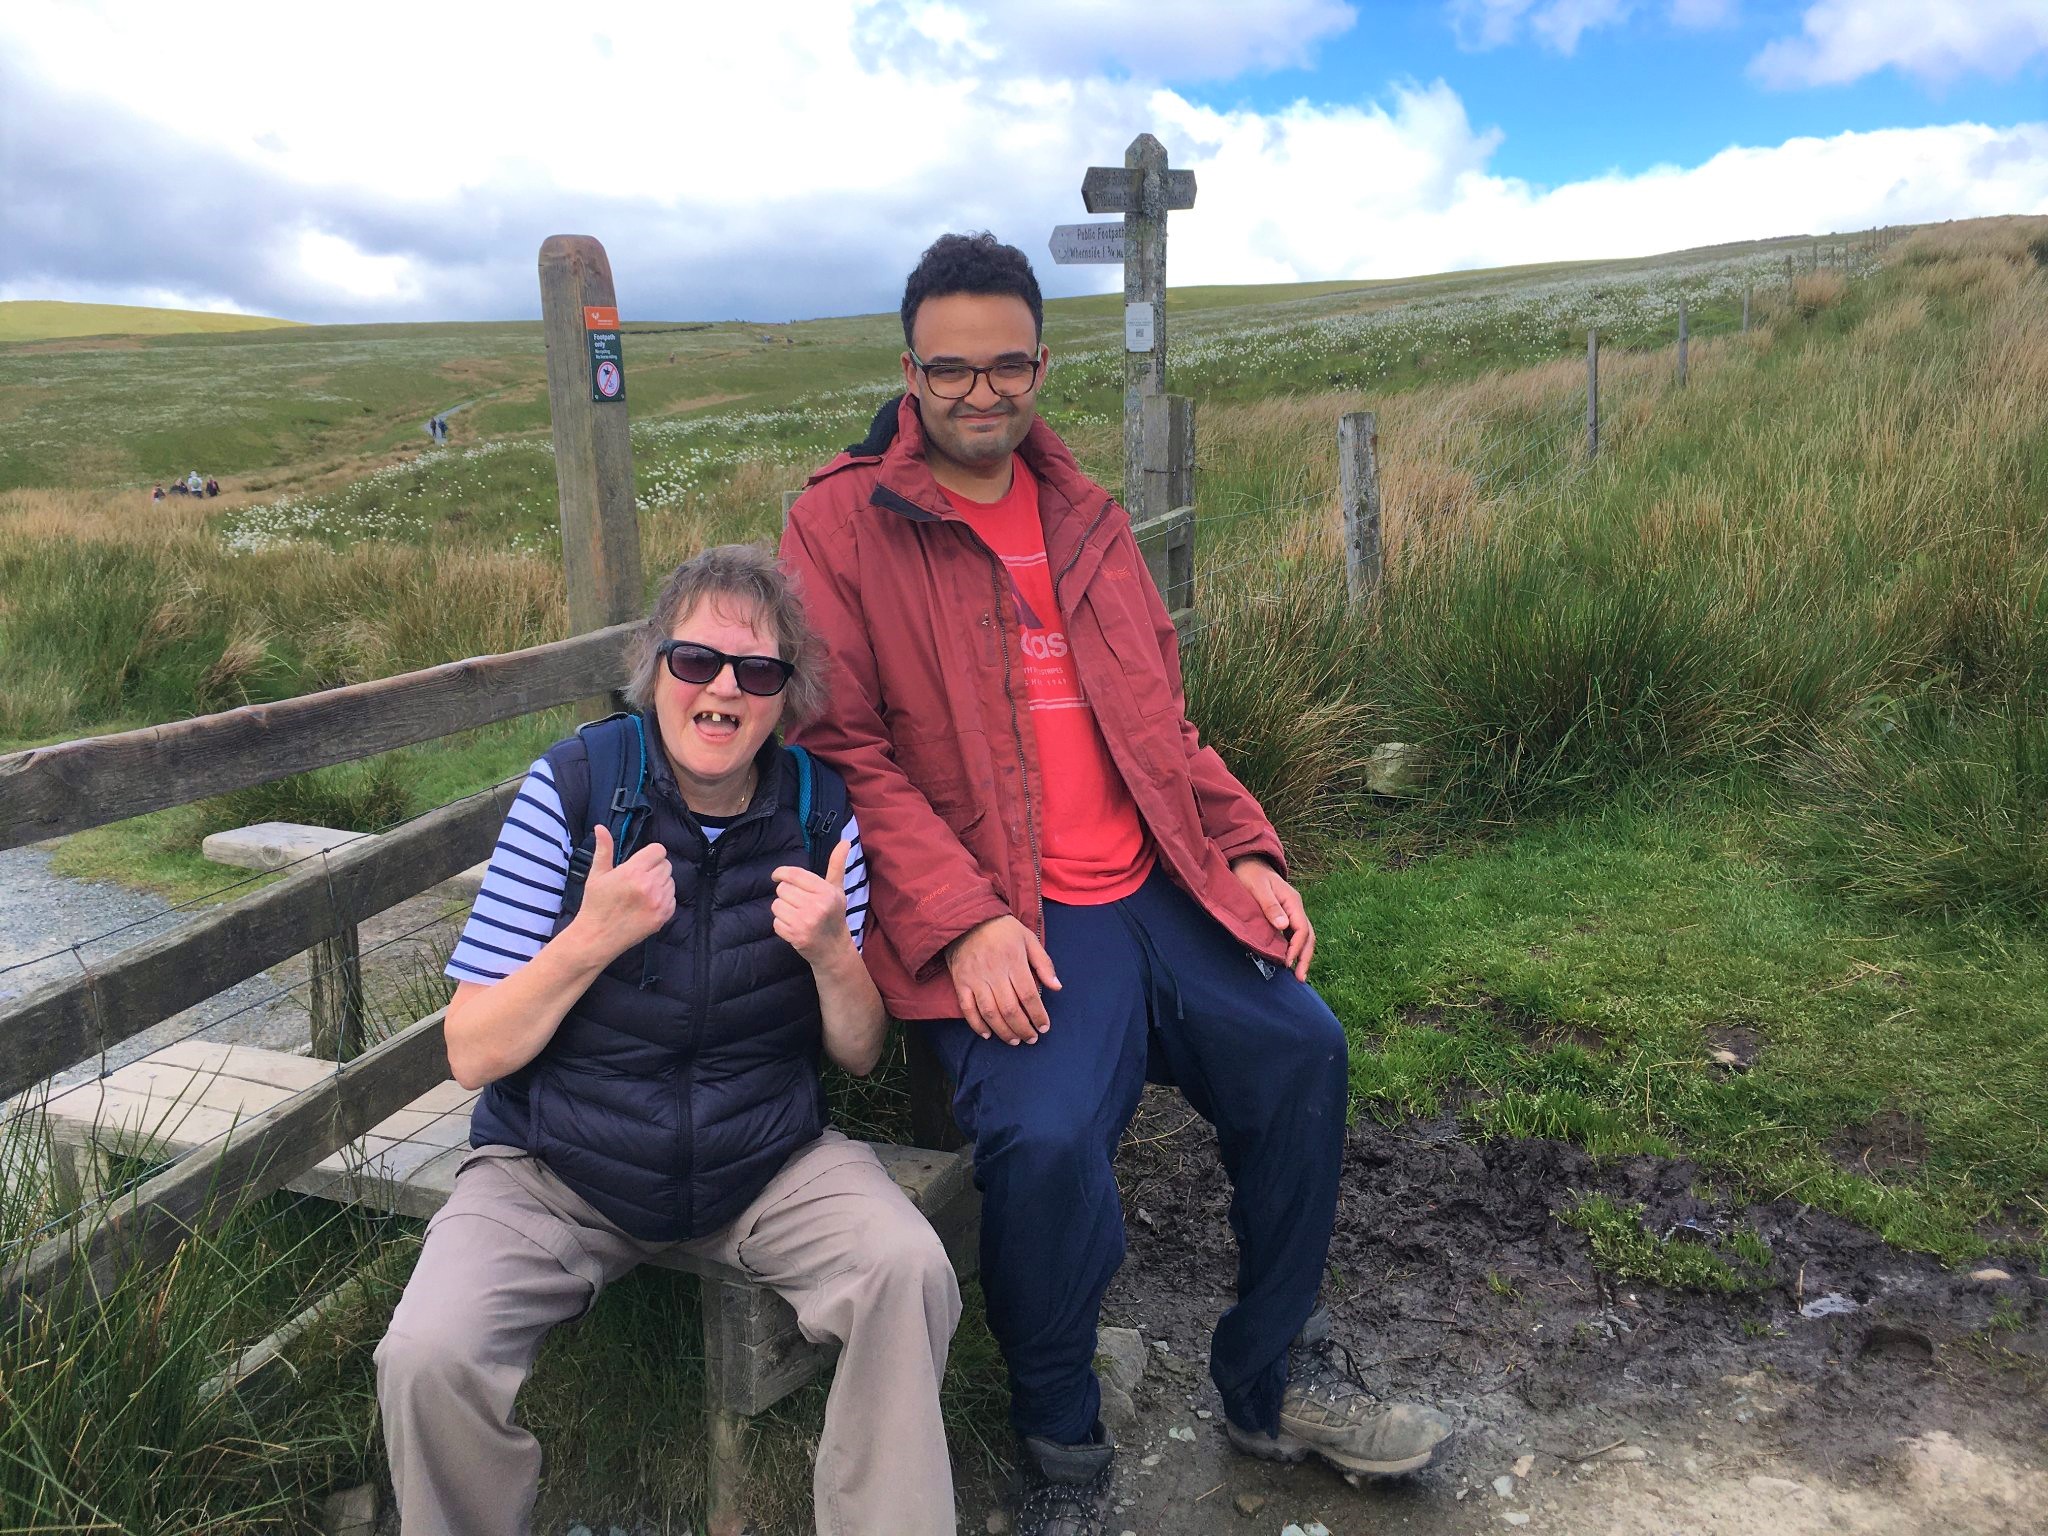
(593, 454)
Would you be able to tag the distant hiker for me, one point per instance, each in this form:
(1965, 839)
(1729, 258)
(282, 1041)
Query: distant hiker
(1054, 845)
(212, 486)
(194, 486)
(157, 494)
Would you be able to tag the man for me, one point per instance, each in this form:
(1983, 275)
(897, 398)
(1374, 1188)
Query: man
(1069, 888)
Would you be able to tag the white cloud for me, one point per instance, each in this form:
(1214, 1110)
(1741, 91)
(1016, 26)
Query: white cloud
(336, 263)
(790, 164)
(1559, 24)
(1935, 40)
(1700, 15)
(1418, 197)
(1195, 40)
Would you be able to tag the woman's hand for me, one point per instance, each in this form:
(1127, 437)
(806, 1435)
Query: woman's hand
(624, 904)
(810, 910)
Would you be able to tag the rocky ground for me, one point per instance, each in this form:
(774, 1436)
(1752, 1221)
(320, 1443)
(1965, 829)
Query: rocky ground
(1583, 1405)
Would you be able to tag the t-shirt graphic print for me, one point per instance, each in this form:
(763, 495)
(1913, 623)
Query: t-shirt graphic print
(1092, 845)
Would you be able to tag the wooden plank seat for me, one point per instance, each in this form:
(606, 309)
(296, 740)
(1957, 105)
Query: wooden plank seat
(187, 1094)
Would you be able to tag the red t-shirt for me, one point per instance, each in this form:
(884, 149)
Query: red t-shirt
(1092, 846)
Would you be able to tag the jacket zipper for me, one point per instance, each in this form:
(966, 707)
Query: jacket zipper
(686, 1077)
(1079, 550)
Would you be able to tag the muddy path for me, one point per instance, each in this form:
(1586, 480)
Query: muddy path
(1599, 1406)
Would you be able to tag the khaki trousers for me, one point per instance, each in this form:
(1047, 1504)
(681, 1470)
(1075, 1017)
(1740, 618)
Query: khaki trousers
(515, 1251)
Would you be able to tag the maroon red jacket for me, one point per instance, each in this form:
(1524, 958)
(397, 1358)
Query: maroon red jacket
(928, 720)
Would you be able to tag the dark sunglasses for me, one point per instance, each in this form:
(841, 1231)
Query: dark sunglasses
(689, 662)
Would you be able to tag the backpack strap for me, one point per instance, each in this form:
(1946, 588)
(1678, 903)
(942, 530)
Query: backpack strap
(616, 747)
(821, 806)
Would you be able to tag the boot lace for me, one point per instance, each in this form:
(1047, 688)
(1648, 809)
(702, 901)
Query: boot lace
(1314, 1368)
(1062, 1509)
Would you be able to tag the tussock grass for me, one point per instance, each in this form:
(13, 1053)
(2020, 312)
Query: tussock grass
(1748, 564)
(103, 1423)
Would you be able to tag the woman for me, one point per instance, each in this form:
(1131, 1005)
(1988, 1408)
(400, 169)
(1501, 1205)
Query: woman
(648, 1052)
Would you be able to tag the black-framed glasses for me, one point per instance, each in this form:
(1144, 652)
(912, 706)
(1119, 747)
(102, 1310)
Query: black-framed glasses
(1009, 376)
(689, 662)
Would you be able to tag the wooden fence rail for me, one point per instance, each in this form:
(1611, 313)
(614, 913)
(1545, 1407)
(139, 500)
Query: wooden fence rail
(51, 791)
(208, 1185)
(72, 1020)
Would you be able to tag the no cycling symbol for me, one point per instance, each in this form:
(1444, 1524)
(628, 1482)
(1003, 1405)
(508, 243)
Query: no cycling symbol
(607, 362)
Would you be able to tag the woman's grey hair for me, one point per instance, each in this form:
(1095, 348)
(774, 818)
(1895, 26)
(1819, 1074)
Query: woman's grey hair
(754, 584)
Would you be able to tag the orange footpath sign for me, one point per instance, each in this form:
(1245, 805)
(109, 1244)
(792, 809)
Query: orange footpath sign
(600, 317)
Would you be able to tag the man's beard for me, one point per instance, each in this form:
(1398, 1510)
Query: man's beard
(978, 450)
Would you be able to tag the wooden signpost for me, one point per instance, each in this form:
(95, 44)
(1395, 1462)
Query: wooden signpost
(593, 455)
(1142, 189)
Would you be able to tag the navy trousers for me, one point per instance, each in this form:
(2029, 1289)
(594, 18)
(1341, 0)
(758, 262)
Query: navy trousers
(1151, 986)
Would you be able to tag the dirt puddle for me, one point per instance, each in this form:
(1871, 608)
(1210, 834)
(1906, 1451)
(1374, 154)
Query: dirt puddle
(1583, 1404)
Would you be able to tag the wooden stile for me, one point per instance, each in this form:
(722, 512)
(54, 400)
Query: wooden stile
(208, 1185)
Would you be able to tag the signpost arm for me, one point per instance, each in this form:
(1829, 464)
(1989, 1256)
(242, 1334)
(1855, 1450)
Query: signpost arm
(593, 454)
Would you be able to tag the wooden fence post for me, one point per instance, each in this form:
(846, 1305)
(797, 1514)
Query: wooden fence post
(1162, 510)
(593, 451)
(1358, 479)
(1592, 394)
(337, 1002)
(1681, 341)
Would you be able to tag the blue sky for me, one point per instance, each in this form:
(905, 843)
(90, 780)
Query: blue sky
(1629, 97)
(383, 162)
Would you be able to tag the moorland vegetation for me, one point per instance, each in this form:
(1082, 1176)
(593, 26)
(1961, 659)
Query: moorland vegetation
(1738, 729)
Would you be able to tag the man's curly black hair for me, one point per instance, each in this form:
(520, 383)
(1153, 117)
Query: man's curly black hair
(971, 264)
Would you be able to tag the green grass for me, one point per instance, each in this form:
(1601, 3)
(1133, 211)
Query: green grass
(1622, 1248)
(50, 320)
(1573, 981)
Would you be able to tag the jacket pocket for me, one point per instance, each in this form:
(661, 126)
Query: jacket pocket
(937, 768)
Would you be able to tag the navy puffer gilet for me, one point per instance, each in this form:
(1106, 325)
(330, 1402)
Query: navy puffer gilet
(687, 1073)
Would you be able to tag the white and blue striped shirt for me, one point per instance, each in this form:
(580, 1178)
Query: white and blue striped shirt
(521, 897)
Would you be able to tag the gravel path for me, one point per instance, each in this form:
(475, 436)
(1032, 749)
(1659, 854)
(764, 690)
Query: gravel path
(42, 915)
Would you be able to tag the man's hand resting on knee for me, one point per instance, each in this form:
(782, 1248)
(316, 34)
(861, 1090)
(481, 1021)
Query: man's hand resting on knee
(1281, 903)
(997, 970)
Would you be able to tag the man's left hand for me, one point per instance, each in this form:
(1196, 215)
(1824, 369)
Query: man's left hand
(1281, 903)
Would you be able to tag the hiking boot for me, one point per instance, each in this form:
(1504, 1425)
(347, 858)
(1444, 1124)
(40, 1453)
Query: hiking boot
(1327, 1410)
(1062, 1490)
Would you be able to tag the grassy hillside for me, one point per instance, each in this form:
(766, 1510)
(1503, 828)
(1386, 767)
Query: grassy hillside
(272, 408)
(52, 320)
